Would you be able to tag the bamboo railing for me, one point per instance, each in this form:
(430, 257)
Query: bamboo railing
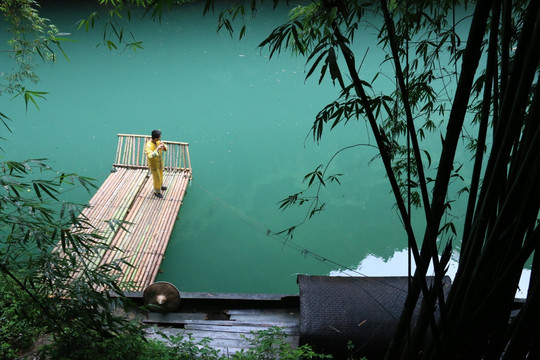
(148, 221)
(131, 153)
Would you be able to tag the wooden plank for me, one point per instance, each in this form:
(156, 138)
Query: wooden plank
(173, 318)
(214, 335)
(236, 296)
(261, 317)
(289, 330)
(198, 336)
(263, 322)
(292, 311)
(196, 321)
(225, 296)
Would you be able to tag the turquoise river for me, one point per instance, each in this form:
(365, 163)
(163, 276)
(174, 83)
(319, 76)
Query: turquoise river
(247, 120)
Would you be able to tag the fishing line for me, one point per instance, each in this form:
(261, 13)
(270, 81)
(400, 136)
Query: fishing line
(257, 225)
(262, 228)
(284, 241)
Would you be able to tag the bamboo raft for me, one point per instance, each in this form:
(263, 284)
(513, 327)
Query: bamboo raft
(146, 222)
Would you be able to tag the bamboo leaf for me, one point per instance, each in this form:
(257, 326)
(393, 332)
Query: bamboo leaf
(207, 6)
(335, 73)
(428, 156)
(48, 190)
(3, 118)
(242, 32)
(38, 194)
(111, 45)
(314, 66)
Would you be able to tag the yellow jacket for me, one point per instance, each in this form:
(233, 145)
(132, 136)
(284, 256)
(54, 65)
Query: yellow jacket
(153, 155)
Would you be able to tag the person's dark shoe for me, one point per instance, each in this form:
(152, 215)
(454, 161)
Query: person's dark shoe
(159, 195)
(163, 188)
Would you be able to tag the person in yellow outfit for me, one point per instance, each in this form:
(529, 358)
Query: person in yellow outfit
(154, 151)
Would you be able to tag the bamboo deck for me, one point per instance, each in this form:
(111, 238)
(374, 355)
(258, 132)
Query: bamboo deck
(147, 221)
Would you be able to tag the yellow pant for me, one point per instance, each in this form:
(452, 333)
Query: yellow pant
(157, 176)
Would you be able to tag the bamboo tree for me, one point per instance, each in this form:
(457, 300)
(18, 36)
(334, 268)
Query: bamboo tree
(493, 254)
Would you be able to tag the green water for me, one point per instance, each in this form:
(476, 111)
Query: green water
(246, 119)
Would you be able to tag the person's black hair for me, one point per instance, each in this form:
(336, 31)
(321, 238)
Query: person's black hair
(156, 134)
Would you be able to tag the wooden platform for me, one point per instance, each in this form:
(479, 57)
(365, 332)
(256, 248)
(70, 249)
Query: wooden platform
(228, 321)
(135, 224)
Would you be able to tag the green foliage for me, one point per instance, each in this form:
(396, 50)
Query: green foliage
(271, 344)
(180, 348)
(263, 345)
(46, 269)
(114, 12)
(47, 288)
(17, 318)
(32, 38)
(324, 33)
(77, 343)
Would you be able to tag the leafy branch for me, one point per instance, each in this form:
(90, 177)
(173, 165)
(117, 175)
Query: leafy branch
(318, 179)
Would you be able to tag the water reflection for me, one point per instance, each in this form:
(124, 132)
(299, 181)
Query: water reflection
(397, 265)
